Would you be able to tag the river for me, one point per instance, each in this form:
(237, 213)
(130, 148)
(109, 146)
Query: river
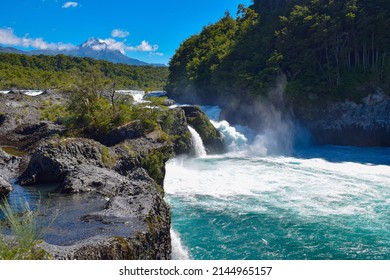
(325, 202)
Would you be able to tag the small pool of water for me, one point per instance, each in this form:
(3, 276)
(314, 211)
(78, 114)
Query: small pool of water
(70, 218)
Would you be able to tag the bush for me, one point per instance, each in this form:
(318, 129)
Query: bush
(54, 113)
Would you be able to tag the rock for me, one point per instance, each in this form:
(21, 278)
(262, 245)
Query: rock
(27, 137)
(174, 123)
(131, 130)
(50, 163)
(350, 123)
(110, 192)
(5, 187)
(135, 214)
(2, 119)
(9, 167)
(88, 178)
(212, 138)
(134, 207)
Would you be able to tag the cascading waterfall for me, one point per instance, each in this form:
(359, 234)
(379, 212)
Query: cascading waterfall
(197, 143)
(265, 200)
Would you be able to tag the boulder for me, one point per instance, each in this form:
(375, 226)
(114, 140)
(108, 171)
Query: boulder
(50, 163)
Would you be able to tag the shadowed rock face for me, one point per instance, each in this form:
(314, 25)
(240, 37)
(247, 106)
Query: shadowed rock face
(349, 123)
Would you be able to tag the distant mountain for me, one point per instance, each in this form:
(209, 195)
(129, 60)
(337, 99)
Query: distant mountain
(93, 48)
(11, 50)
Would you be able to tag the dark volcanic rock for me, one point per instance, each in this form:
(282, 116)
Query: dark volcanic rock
(52, 162)
(28, 136)
(132, 130)
(5, 187)
(137, 217)
(2, 119)
(349, 123)
(137, 208)
(212, 138)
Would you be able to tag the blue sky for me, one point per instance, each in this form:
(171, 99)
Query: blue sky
(148, 30)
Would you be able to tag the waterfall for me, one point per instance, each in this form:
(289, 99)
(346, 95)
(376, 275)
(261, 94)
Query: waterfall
(197, 143)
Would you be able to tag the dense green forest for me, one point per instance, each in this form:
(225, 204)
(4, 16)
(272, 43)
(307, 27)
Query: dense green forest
(328, 50)
(60, 72)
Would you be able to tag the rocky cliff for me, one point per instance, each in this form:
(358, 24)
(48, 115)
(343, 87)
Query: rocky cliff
(363, 123)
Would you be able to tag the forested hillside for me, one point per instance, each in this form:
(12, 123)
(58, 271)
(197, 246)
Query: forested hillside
(60, 71)
(329, 50)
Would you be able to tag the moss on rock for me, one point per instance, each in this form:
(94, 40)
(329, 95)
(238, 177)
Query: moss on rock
(212, 138)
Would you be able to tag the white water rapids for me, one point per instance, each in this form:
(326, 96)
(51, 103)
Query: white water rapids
(264, 201)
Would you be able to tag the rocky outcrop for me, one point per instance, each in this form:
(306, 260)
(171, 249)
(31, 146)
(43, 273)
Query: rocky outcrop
(135, 207)
(365, 123)
(27, 136)
(212, 138)
(53, 161)
(135, 210)
(131, 130)
(174, 123)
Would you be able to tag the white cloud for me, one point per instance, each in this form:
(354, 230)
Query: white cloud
(143, 47)
(70, 5)
(7, 37)
(111, 44)
(156, 54)
(118, 33)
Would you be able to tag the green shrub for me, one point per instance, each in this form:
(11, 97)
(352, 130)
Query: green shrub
(53, 113)
(154, 164)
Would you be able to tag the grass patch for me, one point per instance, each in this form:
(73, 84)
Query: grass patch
(26, 228)
(108, 158)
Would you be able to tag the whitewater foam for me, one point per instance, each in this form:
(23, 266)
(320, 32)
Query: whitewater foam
(179, 251)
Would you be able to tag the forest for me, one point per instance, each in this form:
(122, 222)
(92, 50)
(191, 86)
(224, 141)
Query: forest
(60, 72)
(327, 50)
